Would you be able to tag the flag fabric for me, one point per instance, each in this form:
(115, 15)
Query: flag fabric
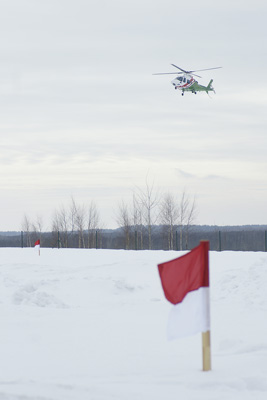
(185, 282)
(37, 244)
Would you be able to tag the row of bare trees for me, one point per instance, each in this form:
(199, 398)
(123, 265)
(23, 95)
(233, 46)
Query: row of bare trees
(68, 222)
(180, 213)
(76, 225)
(148, 208)
(77, 219)
(33, 230)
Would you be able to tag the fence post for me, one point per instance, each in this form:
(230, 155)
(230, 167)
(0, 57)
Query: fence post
(265, 243)
(135, 239)
(96, 239)
(21, 239)
(176, 239)
(58, 240)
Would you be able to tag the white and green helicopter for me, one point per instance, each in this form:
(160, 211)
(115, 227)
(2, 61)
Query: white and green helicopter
(187, 83)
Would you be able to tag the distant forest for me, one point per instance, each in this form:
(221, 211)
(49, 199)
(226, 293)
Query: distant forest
(221, 238)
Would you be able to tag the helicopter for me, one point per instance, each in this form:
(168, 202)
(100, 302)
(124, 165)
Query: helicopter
(187, 83)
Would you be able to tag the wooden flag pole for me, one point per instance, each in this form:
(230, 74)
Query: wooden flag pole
(206, 356)
(206, 352)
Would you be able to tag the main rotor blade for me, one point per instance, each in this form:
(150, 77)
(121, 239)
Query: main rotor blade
(179, 68)
(168, 73)
(206, 69)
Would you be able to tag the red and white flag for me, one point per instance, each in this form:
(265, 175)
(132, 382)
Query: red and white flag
(37, 244)
(185, 282)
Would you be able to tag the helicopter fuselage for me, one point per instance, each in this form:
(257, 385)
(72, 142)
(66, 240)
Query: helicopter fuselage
(189, 84)
(183, 82)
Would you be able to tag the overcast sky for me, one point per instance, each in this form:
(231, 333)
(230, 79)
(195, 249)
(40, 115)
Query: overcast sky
(82, 115)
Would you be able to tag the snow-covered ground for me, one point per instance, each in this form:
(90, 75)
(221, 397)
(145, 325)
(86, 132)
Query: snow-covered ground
(91, 324)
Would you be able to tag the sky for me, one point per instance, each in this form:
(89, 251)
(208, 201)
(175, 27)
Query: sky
(83, 115)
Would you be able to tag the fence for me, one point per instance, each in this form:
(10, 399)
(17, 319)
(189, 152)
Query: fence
(220, 240)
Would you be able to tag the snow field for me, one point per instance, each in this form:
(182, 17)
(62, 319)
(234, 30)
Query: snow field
(90, 324)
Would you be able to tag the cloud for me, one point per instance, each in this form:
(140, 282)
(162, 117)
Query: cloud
(185, 174)
(190, 176)
(215, 177)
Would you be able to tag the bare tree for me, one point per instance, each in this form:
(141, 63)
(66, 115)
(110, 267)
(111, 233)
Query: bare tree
(149, 200)
(26, 227)
(123, 220)
(169, 214)
(39, 223)
(182, 215)
(93, 224)
(37, 227)
(191, 216)
(60, 224)
(72, 215)
(80, 221)
(186, 216)
(137, 218)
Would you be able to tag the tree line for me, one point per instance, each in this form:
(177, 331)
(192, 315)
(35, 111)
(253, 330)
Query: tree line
(151, 220)
(77, 225)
